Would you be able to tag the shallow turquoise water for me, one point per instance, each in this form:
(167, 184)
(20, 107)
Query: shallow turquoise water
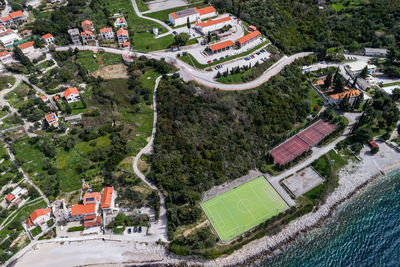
(365, 231)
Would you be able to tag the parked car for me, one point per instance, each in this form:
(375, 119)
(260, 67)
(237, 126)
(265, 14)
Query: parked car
(129, 231)
(140, 229)
(214, 59)
(135, 229)
(209, 61)
(221, 58)
(174, 32)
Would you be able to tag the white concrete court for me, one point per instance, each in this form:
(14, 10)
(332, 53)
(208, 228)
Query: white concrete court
(159, 5)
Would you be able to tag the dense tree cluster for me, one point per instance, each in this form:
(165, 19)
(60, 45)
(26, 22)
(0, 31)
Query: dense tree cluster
(298, 25)
(206, 137)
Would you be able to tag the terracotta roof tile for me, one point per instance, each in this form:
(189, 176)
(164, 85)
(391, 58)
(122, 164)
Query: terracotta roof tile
(70, 91)
(10, 197)
(26, 45)
(211, 22)
(248, 36)
(107, 197)
(16, 14)
(83, 209)
(206, 10)
(47, 36)
(221, 45)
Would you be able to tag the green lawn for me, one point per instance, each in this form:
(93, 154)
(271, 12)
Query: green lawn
(390, 84)
(4, 80)
(93, 62)
(163, 14)
(35, 231)
(77, 107)
(242, 208)
(142, 5)
(147, 42)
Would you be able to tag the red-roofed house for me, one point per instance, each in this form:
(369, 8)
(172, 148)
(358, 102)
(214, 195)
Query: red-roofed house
(5, 57)
(44, 98)
(78, 212)
(120, 23)
(39, 217)
(18, 16)
(27, 47)
(372, 143)
(17, 193)
(107, 34)
(4, 31)
(122, 36)
(87, 37)
(91, 198)
(252, 28)
(194, 14)
(220, 47)
(108, 200)
(87, 25)
(48, 39)
(212, 25)
(96, 221)
(52, 120)
(248, 38)
(351, 94)
(6, 21)
(72, 95)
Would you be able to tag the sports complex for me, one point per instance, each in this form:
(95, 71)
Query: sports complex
(302, 142)
(242, 208)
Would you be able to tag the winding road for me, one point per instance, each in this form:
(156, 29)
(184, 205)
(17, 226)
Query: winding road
(161, 227)
(200, 76)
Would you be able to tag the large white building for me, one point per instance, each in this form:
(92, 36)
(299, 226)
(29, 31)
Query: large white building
(9, 39)
(357, 67)
(194, 14)
(211, 25)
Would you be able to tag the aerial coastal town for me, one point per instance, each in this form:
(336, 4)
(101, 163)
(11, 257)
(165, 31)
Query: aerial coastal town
(183, 132)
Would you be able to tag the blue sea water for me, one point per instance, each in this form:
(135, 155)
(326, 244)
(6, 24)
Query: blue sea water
(364, 231)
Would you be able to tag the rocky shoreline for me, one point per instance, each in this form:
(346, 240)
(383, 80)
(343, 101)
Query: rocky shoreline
(352, 180)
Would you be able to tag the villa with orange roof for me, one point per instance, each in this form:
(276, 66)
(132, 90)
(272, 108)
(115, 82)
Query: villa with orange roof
(194, 14)
(18, 16)
(38, 218)
(87, 37)
(27, 47)
(107, 34)
(120, 23)
(212, 25)
(52, 120)
(48, 39)
(44, 98)
(72, 95)
(4, 31)
(87, 25)
(351, 94)
(108, 200)
(220, 47)
(5, 57)
(78, 212)
(123, 37)
(16, 195)
(248, 38)
(6, 21)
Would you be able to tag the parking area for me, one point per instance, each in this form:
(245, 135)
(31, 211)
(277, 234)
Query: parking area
(260, 55)
(135, 231)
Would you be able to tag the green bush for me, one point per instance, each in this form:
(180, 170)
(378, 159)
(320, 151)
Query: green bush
(75, 228)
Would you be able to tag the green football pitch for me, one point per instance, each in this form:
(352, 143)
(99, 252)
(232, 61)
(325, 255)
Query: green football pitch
(243, 207)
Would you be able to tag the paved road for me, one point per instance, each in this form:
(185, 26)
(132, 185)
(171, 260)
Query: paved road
(6, 10)
(27, 178)
(201, 76)
(135, 7)
(161, 227)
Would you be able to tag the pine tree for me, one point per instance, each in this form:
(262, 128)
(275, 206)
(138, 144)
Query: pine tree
(328, 80)
(336, 75)
(188, 25)
(355, 82)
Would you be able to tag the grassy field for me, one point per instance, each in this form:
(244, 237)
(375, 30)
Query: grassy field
(142, 5)
(87, 59)
(16, 96)
(147, 42)
(4, 80)
(338, 5)
(390, 84)
(243, 207)
(163, 14)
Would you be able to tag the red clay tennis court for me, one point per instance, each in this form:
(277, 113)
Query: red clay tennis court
(289, 150)
(300, 143)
